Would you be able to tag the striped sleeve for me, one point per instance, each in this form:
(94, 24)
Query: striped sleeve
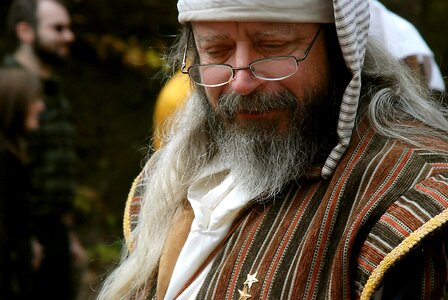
(414, 227)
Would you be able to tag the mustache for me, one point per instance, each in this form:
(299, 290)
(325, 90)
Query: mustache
(257, 102)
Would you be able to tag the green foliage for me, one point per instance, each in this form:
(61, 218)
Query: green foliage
(104, 254)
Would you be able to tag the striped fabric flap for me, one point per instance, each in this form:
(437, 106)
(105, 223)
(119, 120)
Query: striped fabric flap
(352, 25)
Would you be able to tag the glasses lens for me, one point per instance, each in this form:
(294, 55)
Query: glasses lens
(274, 68)
(211, 75)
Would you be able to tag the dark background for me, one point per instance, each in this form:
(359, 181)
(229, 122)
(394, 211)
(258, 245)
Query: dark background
(112, 82)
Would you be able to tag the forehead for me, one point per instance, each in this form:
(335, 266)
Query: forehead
(204, 31)
(51, 12)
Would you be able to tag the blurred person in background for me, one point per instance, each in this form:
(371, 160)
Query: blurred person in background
(307, 163)
(404, 42)
(42, 29)
(20, 106)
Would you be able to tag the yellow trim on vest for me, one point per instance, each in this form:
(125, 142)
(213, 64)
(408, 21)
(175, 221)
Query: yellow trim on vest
(127, 212)
(402, 249)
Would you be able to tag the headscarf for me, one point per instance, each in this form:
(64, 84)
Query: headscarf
(318, 11)
(351, 18)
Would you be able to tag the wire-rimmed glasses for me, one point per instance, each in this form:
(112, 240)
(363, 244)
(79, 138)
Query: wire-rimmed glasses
(272, 68)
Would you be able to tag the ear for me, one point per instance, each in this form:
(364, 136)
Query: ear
(25, 32)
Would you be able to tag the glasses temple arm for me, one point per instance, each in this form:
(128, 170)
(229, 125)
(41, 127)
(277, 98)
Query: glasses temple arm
(184, 59)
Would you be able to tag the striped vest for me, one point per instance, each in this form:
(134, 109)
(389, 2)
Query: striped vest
(380, 221)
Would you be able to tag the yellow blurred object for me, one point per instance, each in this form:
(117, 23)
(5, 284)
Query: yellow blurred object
(153, 59)
(172, 96)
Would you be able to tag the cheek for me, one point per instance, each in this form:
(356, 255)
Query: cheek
(47, 38)
(31, 121)
(36, 108)
(309, 78)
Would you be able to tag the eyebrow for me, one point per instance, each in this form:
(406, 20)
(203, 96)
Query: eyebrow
(279, 29)
(211, 37)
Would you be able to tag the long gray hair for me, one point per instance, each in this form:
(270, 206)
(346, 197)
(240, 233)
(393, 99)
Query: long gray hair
(391, 97)
(399, 104)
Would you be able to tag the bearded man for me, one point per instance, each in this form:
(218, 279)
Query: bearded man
(42, 30)
(306, 164)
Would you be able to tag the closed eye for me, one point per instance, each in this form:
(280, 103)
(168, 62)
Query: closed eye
(216, 54)
(272, 46)
(271, 49)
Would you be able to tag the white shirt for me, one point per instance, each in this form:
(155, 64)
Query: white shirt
(216, 200)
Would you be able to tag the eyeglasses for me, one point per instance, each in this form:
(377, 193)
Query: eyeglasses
(272, 68)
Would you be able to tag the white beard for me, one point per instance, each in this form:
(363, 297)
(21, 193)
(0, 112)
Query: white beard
(262, 157)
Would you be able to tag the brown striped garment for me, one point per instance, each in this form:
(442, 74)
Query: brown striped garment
(323, 239)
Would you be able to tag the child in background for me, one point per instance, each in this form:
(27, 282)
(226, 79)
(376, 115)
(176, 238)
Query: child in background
(20, 106)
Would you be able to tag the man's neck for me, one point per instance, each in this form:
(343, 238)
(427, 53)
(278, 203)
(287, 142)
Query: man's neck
(28, 59)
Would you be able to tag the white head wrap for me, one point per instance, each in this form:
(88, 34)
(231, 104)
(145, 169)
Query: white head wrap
(310, 11)
(351, 18)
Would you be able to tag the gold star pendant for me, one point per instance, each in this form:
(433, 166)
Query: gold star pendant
(243, 294)
(251, 279)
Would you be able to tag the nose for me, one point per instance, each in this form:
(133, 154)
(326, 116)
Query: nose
(243, 82)
(69, 36)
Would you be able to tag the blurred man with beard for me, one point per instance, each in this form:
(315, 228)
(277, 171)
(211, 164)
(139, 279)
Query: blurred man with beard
(308, 163)
(43, 34)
